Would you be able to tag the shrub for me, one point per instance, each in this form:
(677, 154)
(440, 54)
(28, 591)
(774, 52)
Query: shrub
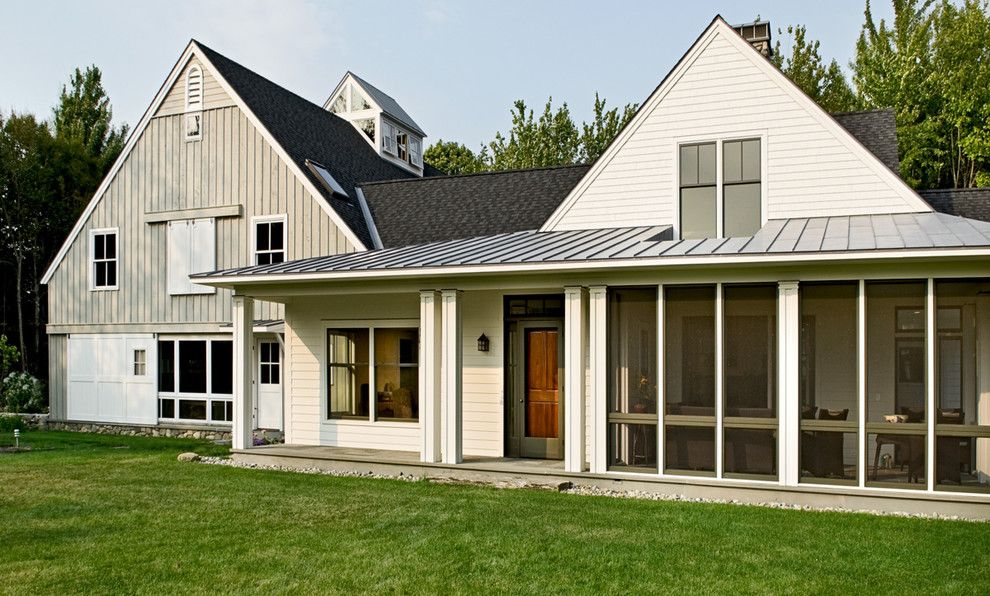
(9, 423)
(9, 355)
(23, 393)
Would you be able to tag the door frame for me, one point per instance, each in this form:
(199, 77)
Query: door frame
(517, 444)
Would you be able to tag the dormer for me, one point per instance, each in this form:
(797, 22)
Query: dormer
(381, 120)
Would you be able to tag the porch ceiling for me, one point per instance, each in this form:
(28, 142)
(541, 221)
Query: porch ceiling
(782, 239)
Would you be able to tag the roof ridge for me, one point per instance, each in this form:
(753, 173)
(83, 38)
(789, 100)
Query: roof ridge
(949, 190)
(485, 173)
(853, 112)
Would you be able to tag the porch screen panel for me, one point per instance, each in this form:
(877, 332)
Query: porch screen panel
(632, 378)
(828, 382)
(689, 379)
(896, 411)
(397, 374)
(347, 373)
(962, 391)
(750, 378)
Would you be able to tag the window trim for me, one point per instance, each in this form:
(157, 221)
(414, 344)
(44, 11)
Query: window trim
(370, 325)
(91, 259)
(719, 140)
(265, 219)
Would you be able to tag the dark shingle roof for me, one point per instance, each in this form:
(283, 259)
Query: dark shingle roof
(389, 105)
(307, 131)
(449, 207)
(973, 203)
(877, 131)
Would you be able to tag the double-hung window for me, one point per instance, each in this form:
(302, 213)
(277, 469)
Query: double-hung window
(726, 205)
(103, 259)
(373, 373)
(269, 240)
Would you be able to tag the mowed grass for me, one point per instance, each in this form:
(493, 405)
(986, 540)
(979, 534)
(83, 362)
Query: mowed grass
(89, 513)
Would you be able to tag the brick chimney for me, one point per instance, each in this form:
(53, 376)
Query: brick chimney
(757, 34)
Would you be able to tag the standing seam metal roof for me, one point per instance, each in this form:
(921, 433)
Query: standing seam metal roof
(778, 237)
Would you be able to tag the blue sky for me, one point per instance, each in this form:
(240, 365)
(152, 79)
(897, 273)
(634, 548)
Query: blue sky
(456, 67)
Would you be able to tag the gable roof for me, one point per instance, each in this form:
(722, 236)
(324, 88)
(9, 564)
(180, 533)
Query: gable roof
(973, 203)
(388, 105)
(719, 29)
(307, 131)
(876, 130)
(424, 210)
(836, 238)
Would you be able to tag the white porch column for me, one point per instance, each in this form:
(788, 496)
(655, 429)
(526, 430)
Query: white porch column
(429, 374)
(575, 339)
(243, 311)
(788, 375)
(597, 347)
(451, 371)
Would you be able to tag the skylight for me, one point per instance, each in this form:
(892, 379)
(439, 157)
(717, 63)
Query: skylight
(327, 179)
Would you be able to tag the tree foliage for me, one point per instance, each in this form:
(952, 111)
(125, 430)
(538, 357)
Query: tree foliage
(803, 64)
(84, 116)
(453, 158)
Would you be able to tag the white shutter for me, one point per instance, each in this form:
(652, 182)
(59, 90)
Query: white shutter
(203, 240)
(178, 257)
(388, 137)
(191, 249)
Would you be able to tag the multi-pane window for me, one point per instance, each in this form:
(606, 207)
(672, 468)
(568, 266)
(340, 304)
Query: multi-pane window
(710, 209)
(196, 380)
(269, 361)
(391, 371)
(269, 241)
(104, 259)
(140, 363)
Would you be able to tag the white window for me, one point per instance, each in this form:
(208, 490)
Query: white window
(191, 249)
(402, 146)
(269, 361)
(103, 259)
(140, 363)
(389, 134)
(196, 379)
(720, 188)
(339, 105)
(194, 103)
(269, 239)
(415, 151)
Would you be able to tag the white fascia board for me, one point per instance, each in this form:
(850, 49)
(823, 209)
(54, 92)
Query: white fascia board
(280, 151)
(720, 27)
(659, 263)
(125, 152)
(366, 211)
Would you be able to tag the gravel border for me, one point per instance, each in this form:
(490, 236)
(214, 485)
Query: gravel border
(571, 489)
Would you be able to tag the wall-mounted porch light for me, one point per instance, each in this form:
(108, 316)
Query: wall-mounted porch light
(483, 343)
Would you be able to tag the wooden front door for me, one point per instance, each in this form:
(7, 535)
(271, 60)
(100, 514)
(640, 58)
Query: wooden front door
(538, 407)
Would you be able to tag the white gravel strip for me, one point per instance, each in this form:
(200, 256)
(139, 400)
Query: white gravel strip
(570, 489)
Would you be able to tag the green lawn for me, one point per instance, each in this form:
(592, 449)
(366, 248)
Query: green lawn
(88, 513)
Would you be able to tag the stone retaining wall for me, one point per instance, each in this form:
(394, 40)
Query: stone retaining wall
(42, 422)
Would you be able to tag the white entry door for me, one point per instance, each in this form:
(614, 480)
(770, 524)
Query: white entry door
(269, 385)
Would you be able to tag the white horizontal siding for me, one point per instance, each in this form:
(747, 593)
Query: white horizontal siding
(811, 170)
(483, 376)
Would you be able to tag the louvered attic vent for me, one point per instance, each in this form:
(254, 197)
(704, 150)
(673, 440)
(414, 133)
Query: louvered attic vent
(321, 172)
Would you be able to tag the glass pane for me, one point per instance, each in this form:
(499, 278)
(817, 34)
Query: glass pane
(698, 216)
(101, 275)
(895, 458)
(750, 344)
(963, 463)
(742, 209)
(827, 455)
(689, 350)
(111, 273)
(895, 355)
(690, 449)
(339, 105)
(828, 359)
(633, 446)
(99, 249)
(166, 408)
(347, 362)
(192, 368)
(261, 236)
(397, 373)
(111, 246)
(367, 126)
(222, 375)
(192, 409)
(689, 165)
(750, 451)
(358, 102)
(732, 161)
(706, 163)
(275, 235)
(632, 350)
(218, 411)
(751, 160)
(166, 366)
